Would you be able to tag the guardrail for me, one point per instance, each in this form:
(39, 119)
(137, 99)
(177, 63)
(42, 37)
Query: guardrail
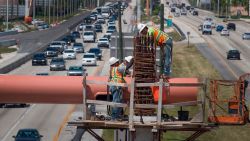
(8, 33)
(183, 36)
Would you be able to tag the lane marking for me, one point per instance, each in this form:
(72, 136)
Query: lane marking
(62, 125)
(18, 122)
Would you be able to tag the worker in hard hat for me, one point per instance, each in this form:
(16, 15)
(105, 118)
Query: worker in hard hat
(116, 75)
(128, 62)
(163, 40)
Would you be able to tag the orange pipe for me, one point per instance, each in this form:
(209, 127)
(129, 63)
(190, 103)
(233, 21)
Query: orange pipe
(68, 90)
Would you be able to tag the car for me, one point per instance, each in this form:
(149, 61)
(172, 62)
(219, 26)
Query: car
(57, 64)
(107, 36)
(195, 13)
(188, 7)
(75, 71)
(89, 36)
(100, 21)
(76, 34)
(66, 40)
(71, 38)
(207, 28)
(51, 52)
(191, 9)
(233, 54)
(231, 26)
(172, 10)
(39, 59)
(69, 54)
(28, 135)
(111, 23)
(93, 17)
(219, 28)
(97, 52)
(57, 44)
(78, 47)
(246, 36)
(103, 42)
(183, 11)
(89, 27)
(112, 27)
(109, 32)
(177, 14)
(89, 59)
(224, 32)
(42, 26)
(81, 26)
(98, 28)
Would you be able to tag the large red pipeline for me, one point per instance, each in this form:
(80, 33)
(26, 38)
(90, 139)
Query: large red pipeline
(68, 90)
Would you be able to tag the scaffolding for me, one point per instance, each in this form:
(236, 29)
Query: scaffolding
(196, 124)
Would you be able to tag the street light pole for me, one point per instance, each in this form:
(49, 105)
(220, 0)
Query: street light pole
(218, 7)
(34, 9)
(188, 33)
(7, 16)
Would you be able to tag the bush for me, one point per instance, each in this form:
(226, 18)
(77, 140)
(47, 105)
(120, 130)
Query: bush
(156, 10)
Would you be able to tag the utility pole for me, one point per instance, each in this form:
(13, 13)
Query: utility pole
(49, 11)
(120, 31)
(138, 11)
(218, 7)
(162, 29)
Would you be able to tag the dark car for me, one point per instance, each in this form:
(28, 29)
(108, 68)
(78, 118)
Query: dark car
(71, 38)
(100, 21)
(98, 28)
(39, 59)
(28, 135)
(219, 28)
(233, 54)
(57, 64)
(52, 52)
(87, 20)
(97, 52)
(107, 36)
(231, 26)
(76, 34)
(195, 13)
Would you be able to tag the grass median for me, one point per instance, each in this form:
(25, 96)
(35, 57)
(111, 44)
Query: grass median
(188, 62)
(6, 50)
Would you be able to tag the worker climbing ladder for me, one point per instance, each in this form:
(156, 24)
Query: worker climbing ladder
(144, 71)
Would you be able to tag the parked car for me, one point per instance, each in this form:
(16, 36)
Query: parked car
(97, 52)
(51, 52)
(28, 135)
(195, 13)
(88, 36)
(89, 59)
(76, 34)
(39, 59)
(233, 54)
(57, 64)
(246, 36)
(78, 47)
(231, 26)
(219, 28)
(69, 54)
(75, 71)
(224, 32)
(98, 28)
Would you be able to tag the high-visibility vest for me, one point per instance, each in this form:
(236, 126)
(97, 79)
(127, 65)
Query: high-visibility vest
(159, 36)
(117, 76)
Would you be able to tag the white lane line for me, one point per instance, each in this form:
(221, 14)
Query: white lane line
(18, 122)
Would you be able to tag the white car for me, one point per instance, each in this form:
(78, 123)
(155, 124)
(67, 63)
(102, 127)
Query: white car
(109, 32)
(69, 54)
(103, 42)
(82, 26)
(224, 32)
(111, 24)
(88, 36)
(89, 59)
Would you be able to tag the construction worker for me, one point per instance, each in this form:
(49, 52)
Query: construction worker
(128, 62)
(162, 40)
(117, 72)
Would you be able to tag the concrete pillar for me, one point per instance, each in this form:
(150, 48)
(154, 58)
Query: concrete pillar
(27, 8)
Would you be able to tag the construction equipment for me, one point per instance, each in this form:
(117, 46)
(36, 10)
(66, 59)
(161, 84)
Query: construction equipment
(230, 109)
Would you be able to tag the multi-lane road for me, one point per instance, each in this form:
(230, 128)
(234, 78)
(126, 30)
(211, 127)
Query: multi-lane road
(50, 119)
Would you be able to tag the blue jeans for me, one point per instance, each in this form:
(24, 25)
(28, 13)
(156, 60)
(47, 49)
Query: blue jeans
(117, 97)
(168, 59)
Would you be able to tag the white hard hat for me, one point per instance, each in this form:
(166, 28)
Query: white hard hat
(113, 60)
(128, 58)
(141, 26)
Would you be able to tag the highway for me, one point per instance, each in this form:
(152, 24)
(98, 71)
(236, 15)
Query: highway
(218, 44)
(50, 119)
